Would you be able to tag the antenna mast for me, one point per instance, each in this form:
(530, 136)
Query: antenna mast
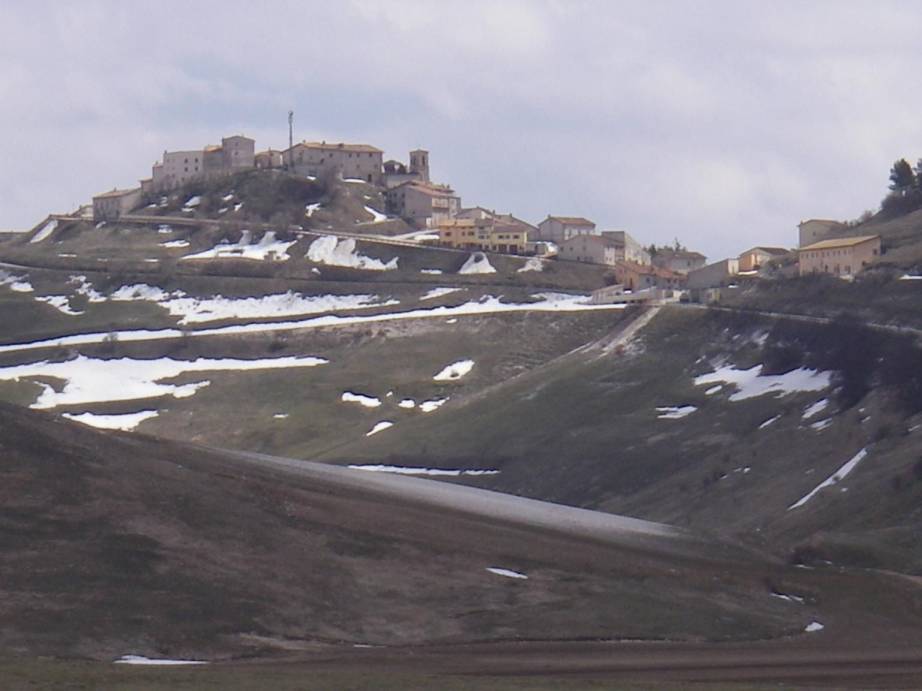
(291, 143)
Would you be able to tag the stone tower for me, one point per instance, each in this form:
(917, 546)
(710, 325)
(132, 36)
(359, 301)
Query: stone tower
(419, 163)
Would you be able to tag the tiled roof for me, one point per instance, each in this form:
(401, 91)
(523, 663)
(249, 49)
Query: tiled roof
(839, 242)
(341, 146)
(115, 193)
(572, 220)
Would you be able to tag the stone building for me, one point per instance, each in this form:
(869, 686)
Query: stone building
(641, 277)
(713, 275)
(397, 173)
(815, 229)
(593, 249)
(270, 158)
(632, 251)
(235, 153)
(682, 261)
(425, 205)
(560, 228)
(110, 206)
(351, 161)
(839, 256)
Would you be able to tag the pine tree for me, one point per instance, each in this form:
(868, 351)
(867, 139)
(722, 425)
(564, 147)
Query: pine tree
(902, 178)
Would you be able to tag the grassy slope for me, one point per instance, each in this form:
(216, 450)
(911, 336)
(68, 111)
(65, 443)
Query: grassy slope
(586, 432)
(117, 544)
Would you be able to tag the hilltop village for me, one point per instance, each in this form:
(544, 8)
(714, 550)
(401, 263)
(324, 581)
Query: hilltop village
(435, 213)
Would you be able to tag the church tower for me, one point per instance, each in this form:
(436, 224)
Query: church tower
(419, 163)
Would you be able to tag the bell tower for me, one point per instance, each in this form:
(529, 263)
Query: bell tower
(419, 163)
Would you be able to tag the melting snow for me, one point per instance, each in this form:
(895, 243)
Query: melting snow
(60, 303)
(330, 250)
(411, 470)
(439, 292)
(434, 272)
(434, 404)
(813, 627)
(788, 598)
(44, 232)
(175, 243)
(193, 202)
(822, 424)
(508, 573)
(378, 216)
(817, 407)
(125, 421)
(280, 416)
(675, 412)
(91, 380)
(909, 277)
(769, 421)
(164, 229)
(713, 390)
(245, 248)
(380, 427)
(750, 384)
(361, 399)
(407, 403)
(455, 370)
(833, 479)
(532, 264)
(311, 208)
(477, 263)
(141, 660)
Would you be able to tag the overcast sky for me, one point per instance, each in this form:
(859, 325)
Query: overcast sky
(723, 124)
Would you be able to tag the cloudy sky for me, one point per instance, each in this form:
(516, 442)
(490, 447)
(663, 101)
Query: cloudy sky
(720, 123)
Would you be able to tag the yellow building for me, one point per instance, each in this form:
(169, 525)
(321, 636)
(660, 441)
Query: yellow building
(839, 256)
(486, 235)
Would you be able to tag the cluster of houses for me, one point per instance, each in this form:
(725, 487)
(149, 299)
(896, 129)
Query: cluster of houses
(410, 193)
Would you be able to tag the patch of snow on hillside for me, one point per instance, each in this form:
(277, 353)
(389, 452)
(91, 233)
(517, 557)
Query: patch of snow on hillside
(227, 197)
(750, 383)
(487, 305)
(432, 272)
(833, 479)
(60, 303)
(18, 284)
(44, 232)
(788, 598)
(124, 421)
(311, 208)
(713, 390)
(821, 425)
(455, 371)
(508, 573)
(770, 421)
(532, 264)
(378, 216)
(413, 470)
(330, 250)
(175, 243)
(91, 380)
(407, 403)
(280, 416)
(164, 229)
(817, 407)
(675, 412)
(361, 399)
(141, 660)
(813, 627)
(439, 292)
(433, 404)
(477, 263)
(355, 181)
(193, 202)
(245, 248)
(379, 427)
(909, 277)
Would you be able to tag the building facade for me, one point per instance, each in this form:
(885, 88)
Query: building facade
(425, 205)
(482, 234)
(593, 249)
(559, 228)
(839, 256)
(351, 161)
(270, 158)
(177, 168)
(110, 206)
(642, 277)
(632, 251)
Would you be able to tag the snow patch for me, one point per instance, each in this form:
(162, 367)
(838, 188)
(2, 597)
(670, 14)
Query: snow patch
(245, 248)
(330, 250)
(361, 399)
(412, 470)
(477, 263)
(817, 407)
(770, 421)
(407, 403)
(432, 272)
(311, 208)
(175, 243)
(141, 660)
(813, 627)
(675, 412)
(508, 573)
(44, 232)
(750, 383)
(379, 427)
(454, 371)
(833, 479)
(434, 404)
(438, 292)
(532, 264)
(378, 216)
(125, 421)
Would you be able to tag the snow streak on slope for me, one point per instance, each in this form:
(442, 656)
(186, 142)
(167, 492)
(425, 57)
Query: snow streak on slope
(750, 383)
(833, 479)
(330, 250)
